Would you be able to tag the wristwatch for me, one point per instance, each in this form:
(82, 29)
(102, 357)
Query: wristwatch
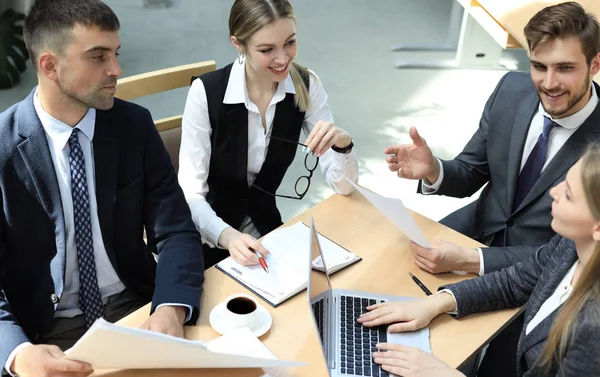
(347, 149)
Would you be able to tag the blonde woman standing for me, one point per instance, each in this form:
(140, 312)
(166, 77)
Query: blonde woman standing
(241, 130)
(560, 284)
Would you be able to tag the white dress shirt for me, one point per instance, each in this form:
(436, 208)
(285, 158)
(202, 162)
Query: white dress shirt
(57, 134)
(194, 157)
(560, 295)
(558, 137)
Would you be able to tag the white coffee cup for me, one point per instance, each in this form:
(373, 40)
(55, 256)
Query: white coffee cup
(240, 310)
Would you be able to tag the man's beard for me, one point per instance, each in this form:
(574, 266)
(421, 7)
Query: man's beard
(571, 102)
(91, 99)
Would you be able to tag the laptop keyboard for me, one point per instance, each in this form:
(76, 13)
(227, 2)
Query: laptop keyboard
(357, 342)
(318, 310)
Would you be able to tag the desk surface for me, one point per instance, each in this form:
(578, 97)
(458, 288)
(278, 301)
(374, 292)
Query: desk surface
(358, 226)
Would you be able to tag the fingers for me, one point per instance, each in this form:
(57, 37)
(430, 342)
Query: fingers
(422, 266)
(321, 138)
(392, 150)
(404, 327)
(315, 136)
(241, 250)
(379, 317)
(54, 351)
(326, 141)
(416, 138)
(70, 366)
(392, 347)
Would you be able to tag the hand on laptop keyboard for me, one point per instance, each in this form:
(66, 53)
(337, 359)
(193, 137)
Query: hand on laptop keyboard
(407, 361)
(406, 316)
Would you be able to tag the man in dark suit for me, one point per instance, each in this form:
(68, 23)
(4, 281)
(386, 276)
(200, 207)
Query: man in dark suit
(82, 175)
(533, 129)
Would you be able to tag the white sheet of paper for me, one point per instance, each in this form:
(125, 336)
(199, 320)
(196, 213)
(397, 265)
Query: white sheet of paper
(241, 342)
(397, 213)
(108, 346)
(295, 241)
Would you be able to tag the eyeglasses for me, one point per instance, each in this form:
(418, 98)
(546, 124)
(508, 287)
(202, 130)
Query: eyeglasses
(303, 183)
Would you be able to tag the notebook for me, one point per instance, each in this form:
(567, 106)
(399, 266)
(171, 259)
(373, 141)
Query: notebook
(288, 248)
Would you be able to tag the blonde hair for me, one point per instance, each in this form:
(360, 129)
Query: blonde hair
(248, 16)
(588, 285)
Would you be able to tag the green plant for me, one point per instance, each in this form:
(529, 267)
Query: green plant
(13, 53)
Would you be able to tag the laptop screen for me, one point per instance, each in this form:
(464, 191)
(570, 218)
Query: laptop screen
(319, 291)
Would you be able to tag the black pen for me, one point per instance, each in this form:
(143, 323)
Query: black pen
(420, 284)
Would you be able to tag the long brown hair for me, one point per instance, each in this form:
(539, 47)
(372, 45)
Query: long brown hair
(248, 16)
(587, 287)
(562, 21)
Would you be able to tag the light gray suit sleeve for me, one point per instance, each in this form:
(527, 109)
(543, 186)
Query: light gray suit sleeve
(507, 288)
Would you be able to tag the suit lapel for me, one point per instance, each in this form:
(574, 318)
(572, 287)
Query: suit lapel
(551, 279)
(36, 155)
(567, 156)
(106, 166)
(523, 119)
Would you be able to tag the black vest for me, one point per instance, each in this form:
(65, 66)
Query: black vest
(229, 194)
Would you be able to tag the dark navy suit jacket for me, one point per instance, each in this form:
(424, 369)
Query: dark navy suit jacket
(136, 190)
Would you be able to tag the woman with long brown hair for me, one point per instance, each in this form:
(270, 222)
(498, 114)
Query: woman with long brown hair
(241, 130)
(560, 285)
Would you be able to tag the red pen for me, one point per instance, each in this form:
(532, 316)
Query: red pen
(261, 260)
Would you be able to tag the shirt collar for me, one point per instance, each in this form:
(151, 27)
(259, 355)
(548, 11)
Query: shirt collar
(577, 119)
(60, 132)
(237, 91)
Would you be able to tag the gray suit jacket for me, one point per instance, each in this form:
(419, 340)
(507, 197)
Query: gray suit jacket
(493, 156)
(531, 283)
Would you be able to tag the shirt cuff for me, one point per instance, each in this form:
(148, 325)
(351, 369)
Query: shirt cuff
(189, 308)
(454, 312)
(481, 269)
(431, 189)
(12, 356)
(213, 231)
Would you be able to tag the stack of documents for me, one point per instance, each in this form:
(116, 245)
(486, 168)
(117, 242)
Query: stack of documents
(287, 262)
(108, 346)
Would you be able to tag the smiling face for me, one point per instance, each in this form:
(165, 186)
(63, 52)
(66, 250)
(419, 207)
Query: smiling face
(87, 71)
(561, 75)
(271, 50)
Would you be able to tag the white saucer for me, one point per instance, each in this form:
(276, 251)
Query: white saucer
(219, 322)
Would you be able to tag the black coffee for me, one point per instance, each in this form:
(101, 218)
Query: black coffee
(241, 305)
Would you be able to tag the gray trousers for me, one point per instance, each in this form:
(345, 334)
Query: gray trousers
(64, 332)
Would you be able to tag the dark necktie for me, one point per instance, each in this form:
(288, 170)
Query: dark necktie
(533, 167)
(90, 301)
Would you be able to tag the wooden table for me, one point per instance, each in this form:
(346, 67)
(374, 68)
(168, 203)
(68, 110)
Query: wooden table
(358, 226)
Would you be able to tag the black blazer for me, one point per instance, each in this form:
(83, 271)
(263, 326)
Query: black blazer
(531, 283)
(136, 189)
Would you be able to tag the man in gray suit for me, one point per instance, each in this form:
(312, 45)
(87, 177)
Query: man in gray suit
(533, 128)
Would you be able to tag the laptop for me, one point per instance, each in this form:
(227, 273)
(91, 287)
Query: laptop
(347, 345)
